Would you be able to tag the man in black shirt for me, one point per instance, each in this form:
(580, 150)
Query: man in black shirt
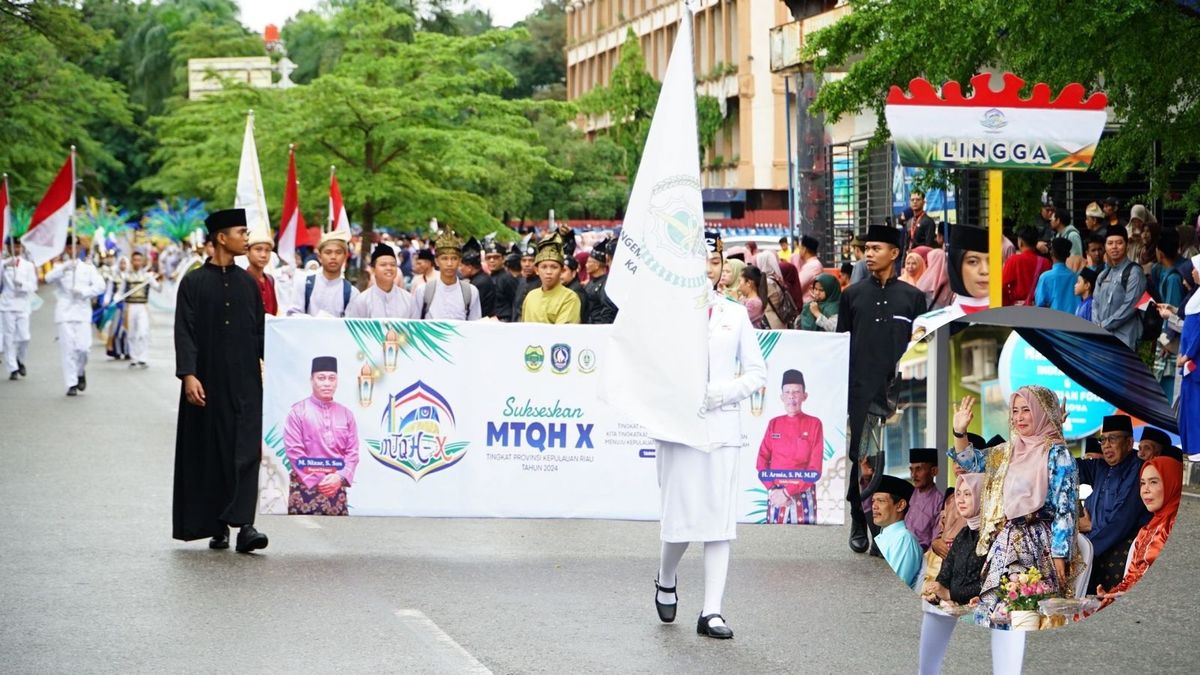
(599, 308)
(471, 269)
(878, 313)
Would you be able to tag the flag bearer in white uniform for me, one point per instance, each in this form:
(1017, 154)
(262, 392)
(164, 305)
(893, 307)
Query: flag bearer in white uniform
(75, 282)
(18, 283)
(138, 282)
(699, 485)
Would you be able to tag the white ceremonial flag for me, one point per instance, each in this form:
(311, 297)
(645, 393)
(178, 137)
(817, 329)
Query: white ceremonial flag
(657, 364)
(250, 194)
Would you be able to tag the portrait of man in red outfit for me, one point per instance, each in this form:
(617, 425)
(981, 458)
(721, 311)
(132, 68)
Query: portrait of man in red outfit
(790, 457)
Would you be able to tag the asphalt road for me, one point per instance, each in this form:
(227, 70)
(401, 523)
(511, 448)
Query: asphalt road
(94, 583)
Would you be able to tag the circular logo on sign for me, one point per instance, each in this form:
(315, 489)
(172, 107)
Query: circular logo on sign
(587, 361)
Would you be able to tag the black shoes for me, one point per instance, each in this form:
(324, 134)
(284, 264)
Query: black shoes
(220, 542)
(21, 368)
(13, 375)
(666, 613)
(250, 539)
(721, 632)
(82, 383)
(73, 391)
(858, 531)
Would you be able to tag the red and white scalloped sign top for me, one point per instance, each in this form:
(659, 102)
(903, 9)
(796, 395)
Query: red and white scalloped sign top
(923, 93)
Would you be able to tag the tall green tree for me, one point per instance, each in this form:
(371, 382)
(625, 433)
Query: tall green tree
(1152, 85)
(539, 63)
(627, 104)
(416, 127)
(48, 102)
(585, 184)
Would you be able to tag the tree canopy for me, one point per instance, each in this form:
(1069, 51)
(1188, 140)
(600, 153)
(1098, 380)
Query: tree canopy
(1137, 51)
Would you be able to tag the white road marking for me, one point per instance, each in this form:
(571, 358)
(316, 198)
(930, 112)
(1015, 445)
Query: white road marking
(306, 522)
(464, 662)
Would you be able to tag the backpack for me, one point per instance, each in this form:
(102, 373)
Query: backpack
(310, 283)
(786, 309)
(1151, 321)
(466, 292)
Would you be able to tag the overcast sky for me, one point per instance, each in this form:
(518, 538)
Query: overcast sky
(256, 14)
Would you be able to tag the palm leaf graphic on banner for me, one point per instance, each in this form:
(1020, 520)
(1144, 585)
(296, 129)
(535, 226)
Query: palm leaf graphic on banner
(767, 339)
(427, 338)
(273, 439)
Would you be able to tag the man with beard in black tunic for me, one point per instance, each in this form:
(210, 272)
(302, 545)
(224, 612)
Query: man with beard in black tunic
(218, 352)
(878, 312)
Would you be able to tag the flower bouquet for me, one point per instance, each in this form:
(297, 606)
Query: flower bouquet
(1021, 593)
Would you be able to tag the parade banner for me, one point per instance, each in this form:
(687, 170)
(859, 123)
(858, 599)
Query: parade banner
(995, 129)
(485, 419)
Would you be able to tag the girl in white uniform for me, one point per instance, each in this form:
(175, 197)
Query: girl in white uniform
(699, 485)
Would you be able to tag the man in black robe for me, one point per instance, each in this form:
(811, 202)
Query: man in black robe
(505, 283)
(471, 269)
(878, 312)
(218, 352)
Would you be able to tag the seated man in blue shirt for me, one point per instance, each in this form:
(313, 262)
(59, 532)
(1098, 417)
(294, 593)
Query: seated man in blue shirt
(1056, 287)
(899, 547)
(1114, 510)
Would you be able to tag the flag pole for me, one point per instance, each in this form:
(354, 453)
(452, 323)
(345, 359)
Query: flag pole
(330, 223)
(8, 231)
(71, 217)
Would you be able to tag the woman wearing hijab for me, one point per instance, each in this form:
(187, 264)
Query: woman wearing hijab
(967, 267)
(791, 282)
(914, 267)
(1161, 486)
(731, 278)
(776, 307)
(1027, 508)
(821, 313)
(935, 281)
(699, 485)
(958, 582)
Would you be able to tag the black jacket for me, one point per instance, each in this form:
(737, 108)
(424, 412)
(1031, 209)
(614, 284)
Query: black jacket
(962, 568)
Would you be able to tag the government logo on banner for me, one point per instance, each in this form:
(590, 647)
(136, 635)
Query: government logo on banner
(418, 424)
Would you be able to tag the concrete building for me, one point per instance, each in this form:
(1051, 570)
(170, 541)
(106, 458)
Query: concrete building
(746, 169)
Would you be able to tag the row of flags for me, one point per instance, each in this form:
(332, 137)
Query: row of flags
(51, 221)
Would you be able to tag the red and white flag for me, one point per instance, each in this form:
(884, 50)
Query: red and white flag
(293, 233)
(5, 213)
(47, 235)
(1143, 302)
(338, 221)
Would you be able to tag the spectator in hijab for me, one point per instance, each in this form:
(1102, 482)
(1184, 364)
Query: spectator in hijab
(821, 313)
(914, 267)
(935, 280)
(776, 305)
(1160, 487)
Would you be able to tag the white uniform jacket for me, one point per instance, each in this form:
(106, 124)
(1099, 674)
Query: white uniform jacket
(735, 370)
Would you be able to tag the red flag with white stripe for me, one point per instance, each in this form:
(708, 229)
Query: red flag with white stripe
(293, 233)
(5, 213)
(338, 221)
(47, 235)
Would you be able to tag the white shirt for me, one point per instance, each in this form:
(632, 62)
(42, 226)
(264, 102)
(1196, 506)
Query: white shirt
(75, 284)
(447, 302)
(18, 282)
(327, 295)
(375, 304)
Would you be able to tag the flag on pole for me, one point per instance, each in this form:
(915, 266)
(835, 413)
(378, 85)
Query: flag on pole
(47, 235)
(657, 358)
(5, 213)
(338, 221)
(250, 194)
(293, 233)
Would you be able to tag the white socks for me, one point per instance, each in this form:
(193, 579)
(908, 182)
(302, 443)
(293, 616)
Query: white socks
(1008, 652)
(672, 553)
(1008, 646)
(716, 568)
(936, 631)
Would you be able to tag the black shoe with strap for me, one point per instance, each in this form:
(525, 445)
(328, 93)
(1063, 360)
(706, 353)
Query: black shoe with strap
(721, 632)
(82, 382)
(21, 368)
(73, 391)
(13, 375)
(666, 613)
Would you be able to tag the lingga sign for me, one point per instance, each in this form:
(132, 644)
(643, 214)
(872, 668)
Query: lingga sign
(995, 129)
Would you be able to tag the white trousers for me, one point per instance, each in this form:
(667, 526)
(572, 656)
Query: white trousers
(14, 337)
(74, 341)
(139, 331)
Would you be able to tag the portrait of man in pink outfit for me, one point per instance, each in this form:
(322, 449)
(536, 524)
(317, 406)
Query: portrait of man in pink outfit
(790, 457)
(320, 438)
